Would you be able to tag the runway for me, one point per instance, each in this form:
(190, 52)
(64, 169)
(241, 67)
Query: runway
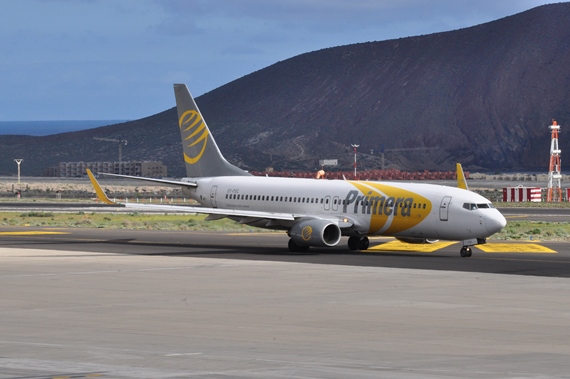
(83, 303)
(518, 258)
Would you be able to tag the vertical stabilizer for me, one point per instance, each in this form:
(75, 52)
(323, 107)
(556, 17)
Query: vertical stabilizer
(201, 154)
(461, 182)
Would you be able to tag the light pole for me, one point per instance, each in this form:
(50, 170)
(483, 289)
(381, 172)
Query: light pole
(355, 146)
(18, 161)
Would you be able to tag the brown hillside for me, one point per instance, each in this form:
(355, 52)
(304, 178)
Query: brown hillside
(483, 96)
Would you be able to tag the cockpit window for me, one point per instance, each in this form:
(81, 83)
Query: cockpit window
(472, 206)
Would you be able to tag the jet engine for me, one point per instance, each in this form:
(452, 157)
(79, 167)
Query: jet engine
(315, 233)
(416, 240)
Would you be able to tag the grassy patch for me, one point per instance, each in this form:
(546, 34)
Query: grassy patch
(121, 221)
(534, 230)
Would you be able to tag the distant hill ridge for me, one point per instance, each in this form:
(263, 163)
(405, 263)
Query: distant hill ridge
(483, 96)
(44, 128)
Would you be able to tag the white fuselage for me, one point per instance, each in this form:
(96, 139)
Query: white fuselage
(408, 210)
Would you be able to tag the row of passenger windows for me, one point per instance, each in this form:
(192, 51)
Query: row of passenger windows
(311, 200)
(285, 199)
(473, 206)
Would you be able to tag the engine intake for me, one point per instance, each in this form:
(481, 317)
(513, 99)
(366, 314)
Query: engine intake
(315, 233)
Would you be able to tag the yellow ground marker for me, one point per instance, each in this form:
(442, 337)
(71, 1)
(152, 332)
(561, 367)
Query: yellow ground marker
(411, 247)
(515, 248)
(29, 233)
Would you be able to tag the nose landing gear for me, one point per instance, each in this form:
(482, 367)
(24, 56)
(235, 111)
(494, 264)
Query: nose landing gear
(465, 252)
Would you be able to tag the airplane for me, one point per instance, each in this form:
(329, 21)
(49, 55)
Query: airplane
(317, 212)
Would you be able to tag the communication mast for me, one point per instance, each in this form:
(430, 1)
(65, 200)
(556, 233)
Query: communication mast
(554, 192)
(354, 146)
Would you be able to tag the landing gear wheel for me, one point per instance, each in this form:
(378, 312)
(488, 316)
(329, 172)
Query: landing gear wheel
(358, 243)
(363, 243)
(294, 248)
(353, 243)
(466, 252)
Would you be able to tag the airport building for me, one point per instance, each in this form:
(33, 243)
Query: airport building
(134, 168)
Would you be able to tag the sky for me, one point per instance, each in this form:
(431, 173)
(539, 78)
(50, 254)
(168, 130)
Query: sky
(118, 59)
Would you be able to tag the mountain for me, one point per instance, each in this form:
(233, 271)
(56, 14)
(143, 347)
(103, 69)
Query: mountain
(483, 96)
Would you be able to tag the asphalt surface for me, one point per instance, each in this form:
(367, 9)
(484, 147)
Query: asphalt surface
(85, 303)
(273, 247)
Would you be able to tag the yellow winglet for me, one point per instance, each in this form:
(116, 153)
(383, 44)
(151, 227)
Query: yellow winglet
(461, 182)
(98, 190)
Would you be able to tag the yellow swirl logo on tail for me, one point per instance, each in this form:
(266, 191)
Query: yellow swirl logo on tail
(195, 132)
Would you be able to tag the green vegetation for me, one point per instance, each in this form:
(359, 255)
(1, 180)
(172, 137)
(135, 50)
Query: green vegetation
(120, 221)
(534, 230)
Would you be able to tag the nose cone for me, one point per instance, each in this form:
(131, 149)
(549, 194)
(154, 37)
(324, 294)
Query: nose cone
(495, 222)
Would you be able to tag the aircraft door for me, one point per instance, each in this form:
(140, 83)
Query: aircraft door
(327, 204)
(444, 208)
(213, 196)
(335, 202)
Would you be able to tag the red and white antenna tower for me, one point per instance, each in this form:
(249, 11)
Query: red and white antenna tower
(554, 192)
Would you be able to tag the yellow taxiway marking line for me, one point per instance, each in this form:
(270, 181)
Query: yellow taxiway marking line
(515, 248)
(29, 233)
(418, 248)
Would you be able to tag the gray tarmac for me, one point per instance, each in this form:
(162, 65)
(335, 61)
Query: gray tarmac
(149, 304)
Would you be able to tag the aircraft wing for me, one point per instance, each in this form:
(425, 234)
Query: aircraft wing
(214, 213)
(187, 209)
(461, 182)
(162, 181)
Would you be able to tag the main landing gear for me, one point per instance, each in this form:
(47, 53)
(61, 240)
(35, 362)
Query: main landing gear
(358, 243)
(465, 252)
(294, 248)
